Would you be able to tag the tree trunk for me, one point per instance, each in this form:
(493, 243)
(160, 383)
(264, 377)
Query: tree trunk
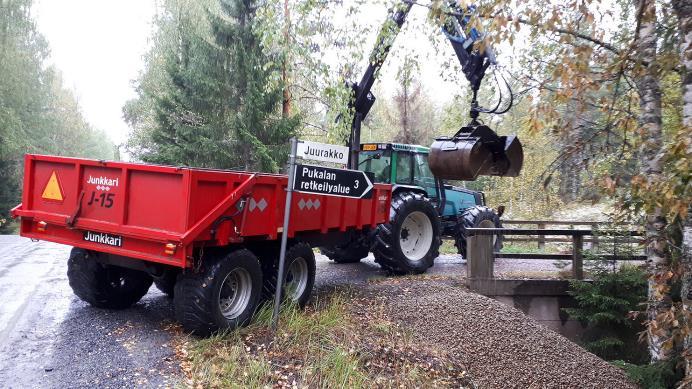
(686, 294)
(650, 155)
(683, 10)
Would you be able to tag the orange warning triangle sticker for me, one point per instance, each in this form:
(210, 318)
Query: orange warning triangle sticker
(52, 191)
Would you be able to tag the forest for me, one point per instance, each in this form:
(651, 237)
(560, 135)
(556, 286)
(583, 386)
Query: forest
(602, 103)
(38, 114)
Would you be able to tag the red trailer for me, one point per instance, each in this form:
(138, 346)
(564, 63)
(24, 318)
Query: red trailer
(207, 237)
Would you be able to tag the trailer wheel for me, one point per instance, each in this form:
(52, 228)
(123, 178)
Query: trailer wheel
(476, 217)
(166, 282)
(410, 242)
(223, 294)
(105, 286)
(299, 275)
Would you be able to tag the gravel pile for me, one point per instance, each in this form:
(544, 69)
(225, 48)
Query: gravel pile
(499, 345)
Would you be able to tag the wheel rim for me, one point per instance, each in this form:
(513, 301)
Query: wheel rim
(489, 224)
(297, 278)
(235, 293)
(416, 235)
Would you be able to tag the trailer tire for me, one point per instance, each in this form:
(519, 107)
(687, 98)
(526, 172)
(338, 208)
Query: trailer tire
(223, 294)
(105, 286)
(350, 252)
(476, 217)
(410, 213)
(166, 282)
(299, 274)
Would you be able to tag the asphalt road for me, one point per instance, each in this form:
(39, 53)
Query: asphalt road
(49, 338)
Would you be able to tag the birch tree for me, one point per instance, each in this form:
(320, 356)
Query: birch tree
(683, 10)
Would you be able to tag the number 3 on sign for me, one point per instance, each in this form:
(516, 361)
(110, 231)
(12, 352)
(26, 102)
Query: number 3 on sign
(105, 200)
(356, 184)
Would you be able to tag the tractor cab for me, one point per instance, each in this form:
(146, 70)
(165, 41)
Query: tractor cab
(406, 167)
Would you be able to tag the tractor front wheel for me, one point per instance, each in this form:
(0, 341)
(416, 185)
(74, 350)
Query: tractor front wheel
(476, 217)
(410, 242)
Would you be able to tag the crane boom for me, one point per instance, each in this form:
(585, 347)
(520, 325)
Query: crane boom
(474, 63)
(363, 98)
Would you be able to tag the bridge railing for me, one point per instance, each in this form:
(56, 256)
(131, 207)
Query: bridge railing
(480, 247)
(602, 230)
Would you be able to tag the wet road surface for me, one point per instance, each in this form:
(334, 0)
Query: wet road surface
(49, 338)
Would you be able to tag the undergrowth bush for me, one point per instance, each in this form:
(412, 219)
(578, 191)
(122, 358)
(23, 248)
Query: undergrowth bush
(605, 304)
(659, 375)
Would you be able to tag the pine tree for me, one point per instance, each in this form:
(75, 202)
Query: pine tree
(211, 96)
(255, 93)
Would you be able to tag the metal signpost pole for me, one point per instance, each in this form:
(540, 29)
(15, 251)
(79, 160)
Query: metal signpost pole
(284, 232)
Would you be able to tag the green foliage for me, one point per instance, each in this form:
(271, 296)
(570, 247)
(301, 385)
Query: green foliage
(605, 305)
(209, 96)
(37, 114)
(658, 375)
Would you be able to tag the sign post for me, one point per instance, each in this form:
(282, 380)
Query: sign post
(284, 233)
(319, 180)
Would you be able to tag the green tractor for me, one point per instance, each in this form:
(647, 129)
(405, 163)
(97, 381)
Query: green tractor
(424, 210)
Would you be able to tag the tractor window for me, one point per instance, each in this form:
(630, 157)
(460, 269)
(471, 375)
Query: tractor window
(423, 176)
(403, 168)
(378, 163)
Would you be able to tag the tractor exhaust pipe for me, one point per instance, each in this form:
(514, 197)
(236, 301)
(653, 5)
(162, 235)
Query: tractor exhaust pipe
(476, 150)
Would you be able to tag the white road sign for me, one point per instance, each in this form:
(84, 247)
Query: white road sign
(333, 182)
(322, 152)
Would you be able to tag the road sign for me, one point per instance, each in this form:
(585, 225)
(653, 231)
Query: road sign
(333, 182)
(322, 152)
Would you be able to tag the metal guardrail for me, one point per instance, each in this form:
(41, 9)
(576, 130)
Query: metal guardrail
(577, 239)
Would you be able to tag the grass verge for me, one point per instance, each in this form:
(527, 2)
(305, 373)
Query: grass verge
(338, 341)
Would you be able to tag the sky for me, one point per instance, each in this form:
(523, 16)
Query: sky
(99, 46)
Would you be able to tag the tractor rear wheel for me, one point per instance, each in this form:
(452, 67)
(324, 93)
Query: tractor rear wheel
(476, 217)
(105, 286)
(410, 242)
(223, 294)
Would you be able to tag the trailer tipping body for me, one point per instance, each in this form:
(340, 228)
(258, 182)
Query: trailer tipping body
(163, 213)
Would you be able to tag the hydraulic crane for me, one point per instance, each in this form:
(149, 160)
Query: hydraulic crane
(475, 149)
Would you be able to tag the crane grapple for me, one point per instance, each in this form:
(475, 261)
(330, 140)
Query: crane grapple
(476, 150)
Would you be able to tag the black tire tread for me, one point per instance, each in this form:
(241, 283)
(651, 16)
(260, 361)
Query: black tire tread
(271, 272)
(470, 218)
(89, 281)
(166, 282)
(193, 296)
(351, 252)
